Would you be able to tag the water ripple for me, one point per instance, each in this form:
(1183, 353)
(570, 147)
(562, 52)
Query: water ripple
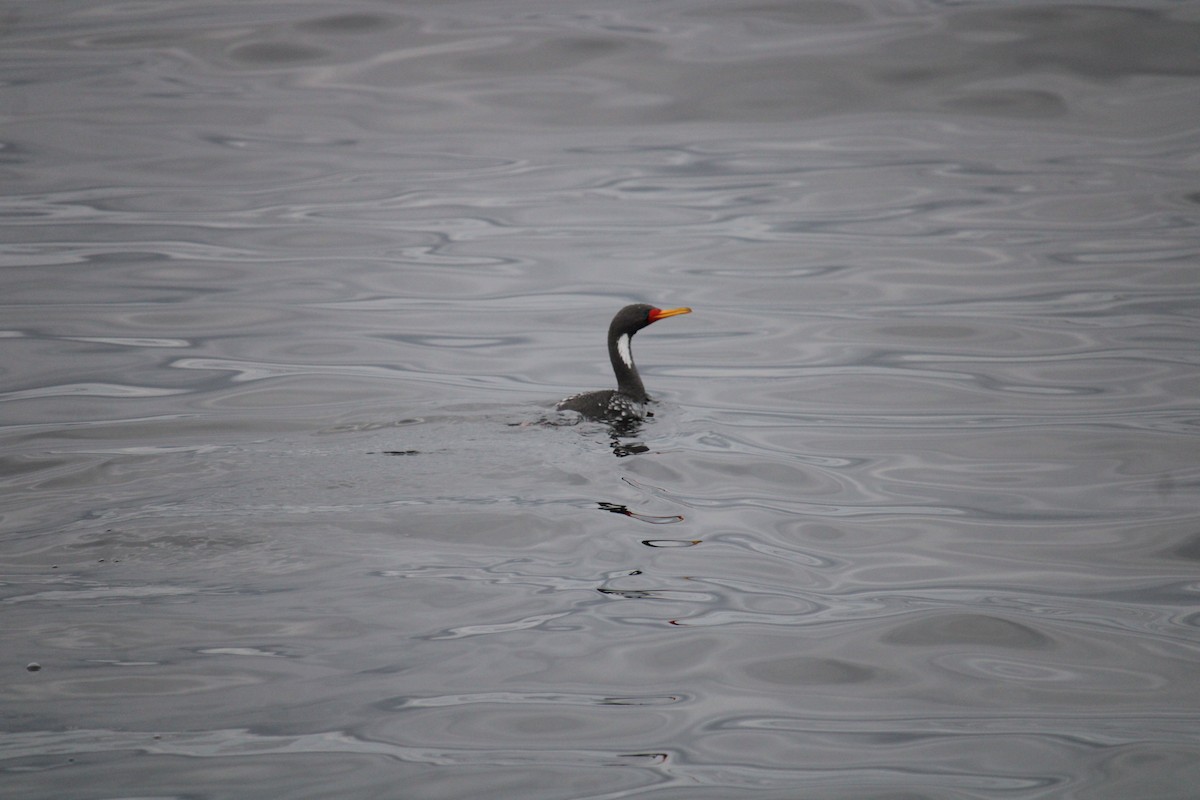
(288, 295)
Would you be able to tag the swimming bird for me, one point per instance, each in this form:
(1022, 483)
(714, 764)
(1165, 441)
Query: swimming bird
(625, 403)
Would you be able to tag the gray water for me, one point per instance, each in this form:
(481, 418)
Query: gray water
(290, 289)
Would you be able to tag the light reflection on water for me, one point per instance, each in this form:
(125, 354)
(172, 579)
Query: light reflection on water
(290, 294)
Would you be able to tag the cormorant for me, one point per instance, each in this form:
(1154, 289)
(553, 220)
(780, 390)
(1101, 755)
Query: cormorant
(625, 403)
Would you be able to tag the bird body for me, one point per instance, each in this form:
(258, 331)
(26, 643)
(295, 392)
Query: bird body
(626, 402)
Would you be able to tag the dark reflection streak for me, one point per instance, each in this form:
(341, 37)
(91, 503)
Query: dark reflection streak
(650, 518)
(655, 758)
(620, 450)
(630, 594)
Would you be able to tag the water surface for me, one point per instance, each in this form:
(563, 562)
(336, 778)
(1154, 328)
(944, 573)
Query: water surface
(289, 292)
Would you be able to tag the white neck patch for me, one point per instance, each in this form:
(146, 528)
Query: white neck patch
(623, 350)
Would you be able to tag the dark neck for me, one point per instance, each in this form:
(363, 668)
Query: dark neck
(628, 380)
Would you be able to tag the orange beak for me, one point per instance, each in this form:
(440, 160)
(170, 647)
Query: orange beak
(657, 313)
